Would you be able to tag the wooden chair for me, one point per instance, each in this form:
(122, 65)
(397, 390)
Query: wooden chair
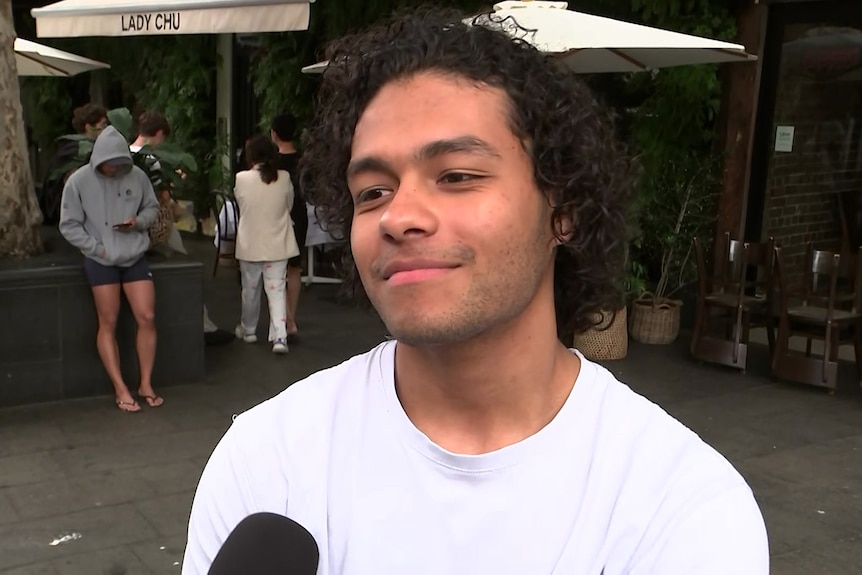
(225, 235)
(827, 308)
(738, 294)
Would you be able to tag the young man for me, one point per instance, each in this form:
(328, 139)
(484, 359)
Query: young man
(153, 129)
(88, 120)
(283, 134)
(108, 206)
(485, 199)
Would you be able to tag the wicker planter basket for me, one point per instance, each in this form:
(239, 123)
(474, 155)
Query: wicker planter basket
(654, 322)
(608, 340)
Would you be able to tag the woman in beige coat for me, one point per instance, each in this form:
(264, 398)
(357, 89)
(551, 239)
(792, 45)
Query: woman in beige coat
(264, 240)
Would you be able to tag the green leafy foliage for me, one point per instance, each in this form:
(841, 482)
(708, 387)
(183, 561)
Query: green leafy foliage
(170, 157)
(682, 206)
(276, 68)
(121, 119)
(218, 169)
(672, 130)
(50, 100)
(177, 78)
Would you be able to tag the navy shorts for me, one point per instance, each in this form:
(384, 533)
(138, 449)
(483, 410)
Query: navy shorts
(100, 275)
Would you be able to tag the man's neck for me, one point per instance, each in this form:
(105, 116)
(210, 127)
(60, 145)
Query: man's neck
(140, 142)
(483, 395)
(286, 148)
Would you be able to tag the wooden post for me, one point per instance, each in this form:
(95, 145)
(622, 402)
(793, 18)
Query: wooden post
(739, 100)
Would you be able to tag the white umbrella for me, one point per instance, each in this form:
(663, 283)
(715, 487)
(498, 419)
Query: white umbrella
(592, 44)
(315, 68)
(35, 59)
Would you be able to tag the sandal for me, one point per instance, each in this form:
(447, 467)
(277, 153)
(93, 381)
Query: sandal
(128, 406)
(152, 400)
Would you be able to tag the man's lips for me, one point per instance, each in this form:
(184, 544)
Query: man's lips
(415, 268)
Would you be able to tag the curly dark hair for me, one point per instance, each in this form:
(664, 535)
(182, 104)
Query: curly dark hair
(87, 115)
(578, 163)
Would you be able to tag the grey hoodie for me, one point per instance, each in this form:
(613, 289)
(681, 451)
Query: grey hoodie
(94, 203)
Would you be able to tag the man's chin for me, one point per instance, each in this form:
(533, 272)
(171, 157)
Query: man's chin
(432, 335)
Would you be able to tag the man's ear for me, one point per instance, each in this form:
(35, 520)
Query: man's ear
(564, 228)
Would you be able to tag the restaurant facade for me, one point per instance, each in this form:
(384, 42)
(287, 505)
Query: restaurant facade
(793, 128)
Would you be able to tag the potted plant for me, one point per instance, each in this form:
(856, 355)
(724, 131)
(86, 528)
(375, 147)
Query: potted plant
(676, 204)
(609, 338)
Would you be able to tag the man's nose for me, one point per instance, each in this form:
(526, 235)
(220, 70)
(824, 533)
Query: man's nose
(411, 212)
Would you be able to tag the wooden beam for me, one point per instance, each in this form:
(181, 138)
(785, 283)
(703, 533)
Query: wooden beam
(739, 103)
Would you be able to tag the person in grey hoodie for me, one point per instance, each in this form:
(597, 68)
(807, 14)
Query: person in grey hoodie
(107, 208)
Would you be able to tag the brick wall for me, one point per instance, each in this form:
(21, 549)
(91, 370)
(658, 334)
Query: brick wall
(803, 185)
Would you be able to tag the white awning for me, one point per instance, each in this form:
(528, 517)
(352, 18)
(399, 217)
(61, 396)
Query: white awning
(72, 18)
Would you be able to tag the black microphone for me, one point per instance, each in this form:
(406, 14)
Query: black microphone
(267, 544)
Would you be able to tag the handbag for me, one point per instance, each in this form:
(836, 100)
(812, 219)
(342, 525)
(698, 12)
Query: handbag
(161, 229)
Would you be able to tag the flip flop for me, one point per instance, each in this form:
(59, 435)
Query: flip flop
(121, 405)
(152, 400)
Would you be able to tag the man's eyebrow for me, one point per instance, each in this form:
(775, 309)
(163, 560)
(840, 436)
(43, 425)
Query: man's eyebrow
(368, 164)
(461, 144)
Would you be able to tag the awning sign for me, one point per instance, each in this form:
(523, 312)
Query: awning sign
(148, 23)
(75, 18)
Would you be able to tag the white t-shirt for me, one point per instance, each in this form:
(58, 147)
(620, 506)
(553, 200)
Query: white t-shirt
(153, 163)
(613, 485)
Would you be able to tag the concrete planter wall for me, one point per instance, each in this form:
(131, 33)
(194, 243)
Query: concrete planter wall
(48, 329)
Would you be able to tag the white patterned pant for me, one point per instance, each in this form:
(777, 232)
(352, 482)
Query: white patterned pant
(272, 275)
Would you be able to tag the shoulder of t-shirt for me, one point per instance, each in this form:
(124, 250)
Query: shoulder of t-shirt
(661, 472)
(655, 439)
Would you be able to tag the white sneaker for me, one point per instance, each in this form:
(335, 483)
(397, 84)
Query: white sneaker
(279, 346)
(240, 334)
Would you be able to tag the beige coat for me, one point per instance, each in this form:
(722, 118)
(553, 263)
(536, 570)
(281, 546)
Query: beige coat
(265, 231)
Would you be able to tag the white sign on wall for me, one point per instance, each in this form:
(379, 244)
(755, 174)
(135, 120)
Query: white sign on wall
(784, 138)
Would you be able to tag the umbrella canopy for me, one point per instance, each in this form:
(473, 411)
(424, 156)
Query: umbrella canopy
(35, 59)
(592, 44)
(315, 68)
(70, 18)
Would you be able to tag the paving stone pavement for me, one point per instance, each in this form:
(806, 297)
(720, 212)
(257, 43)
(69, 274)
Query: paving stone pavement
(112, 491)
